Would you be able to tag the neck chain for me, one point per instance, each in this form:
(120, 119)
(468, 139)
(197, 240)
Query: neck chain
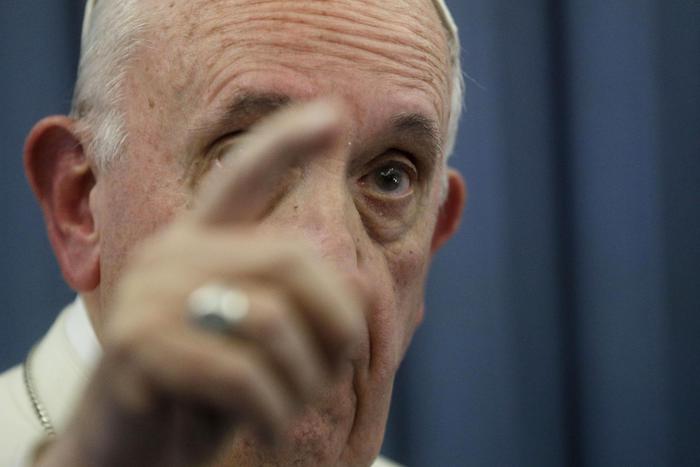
(39, 408)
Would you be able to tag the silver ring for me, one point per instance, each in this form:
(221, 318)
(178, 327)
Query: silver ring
(217, 308)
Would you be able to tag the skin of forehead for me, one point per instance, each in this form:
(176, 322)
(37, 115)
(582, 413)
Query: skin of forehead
(403, 39)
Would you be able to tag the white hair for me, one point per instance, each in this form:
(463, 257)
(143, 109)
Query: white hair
(457, 77)
(456, 99)
(111, 35)
(104, 57)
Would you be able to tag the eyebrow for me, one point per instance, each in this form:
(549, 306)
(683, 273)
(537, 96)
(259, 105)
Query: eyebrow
(244, 106)
(421, 130)
(249, 104)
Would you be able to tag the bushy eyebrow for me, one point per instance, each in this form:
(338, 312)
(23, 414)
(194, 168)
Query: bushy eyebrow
(250, 104)
(243, 107)
(421, 130)
(417, 129)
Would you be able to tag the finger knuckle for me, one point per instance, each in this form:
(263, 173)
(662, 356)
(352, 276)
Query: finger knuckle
(242, 379)
(270, 324)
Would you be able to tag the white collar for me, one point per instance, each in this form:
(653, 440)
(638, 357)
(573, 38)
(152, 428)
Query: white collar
(81, 334)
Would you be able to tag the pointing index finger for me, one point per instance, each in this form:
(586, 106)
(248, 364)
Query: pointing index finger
(243, 189)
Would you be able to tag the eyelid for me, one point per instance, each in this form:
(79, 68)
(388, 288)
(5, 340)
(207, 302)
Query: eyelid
(230, 135)
(397, 157)
(218, 148)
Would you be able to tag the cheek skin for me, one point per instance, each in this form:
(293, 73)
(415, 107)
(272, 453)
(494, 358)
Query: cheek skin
(408, 260)
(407, 263)
(399, 270)
(141, 192)
(147, 209)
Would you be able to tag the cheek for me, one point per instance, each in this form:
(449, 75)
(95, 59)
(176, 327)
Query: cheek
(401, 297)
(408, 267)
(409, 260)
(133, 208)
(405, 266)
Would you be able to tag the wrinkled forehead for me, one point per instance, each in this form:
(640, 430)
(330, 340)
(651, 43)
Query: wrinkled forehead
(440, 5)
(196, 48)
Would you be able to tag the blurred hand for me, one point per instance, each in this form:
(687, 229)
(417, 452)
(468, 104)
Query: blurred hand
(168, 393)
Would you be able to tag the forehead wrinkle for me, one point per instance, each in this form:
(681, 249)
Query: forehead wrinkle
(306, 90)
(362, 56)
(394, 29)
(396, 73)
(384, 13)
(397, 46)
(368, 39)
(202, 38)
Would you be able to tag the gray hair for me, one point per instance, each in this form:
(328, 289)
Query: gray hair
(103, 66)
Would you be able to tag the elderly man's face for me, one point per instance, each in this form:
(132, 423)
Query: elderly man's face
(211, 69)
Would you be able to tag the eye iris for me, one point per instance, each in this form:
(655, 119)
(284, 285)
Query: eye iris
(389, 179)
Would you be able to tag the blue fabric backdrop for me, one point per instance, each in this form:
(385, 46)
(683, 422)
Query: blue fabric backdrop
(563, 321)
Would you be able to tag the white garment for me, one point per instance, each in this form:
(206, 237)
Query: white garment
(61, 365)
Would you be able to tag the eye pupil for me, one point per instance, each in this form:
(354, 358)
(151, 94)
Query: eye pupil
(389, 179)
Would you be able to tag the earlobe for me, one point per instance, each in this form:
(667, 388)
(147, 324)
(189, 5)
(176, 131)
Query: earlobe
(62, 180)
(450, 213)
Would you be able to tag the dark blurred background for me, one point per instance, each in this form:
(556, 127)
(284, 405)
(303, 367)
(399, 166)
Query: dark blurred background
(563, 324)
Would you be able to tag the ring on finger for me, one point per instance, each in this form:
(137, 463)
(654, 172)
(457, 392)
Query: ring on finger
(218, 308)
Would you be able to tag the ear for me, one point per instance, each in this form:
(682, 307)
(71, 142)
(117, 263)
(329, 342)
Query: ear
(451, 210)
(62, 180)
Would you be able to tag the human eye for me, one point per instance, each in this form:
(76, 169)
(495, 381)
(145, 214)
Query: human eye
(392, 179)
(388, 196)
(212, 157)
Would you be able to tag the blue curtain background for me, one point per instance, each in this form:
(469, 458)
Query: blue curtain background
(563, 324)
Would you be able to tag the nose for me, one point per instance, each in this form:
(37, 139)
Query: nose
(319, 207)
